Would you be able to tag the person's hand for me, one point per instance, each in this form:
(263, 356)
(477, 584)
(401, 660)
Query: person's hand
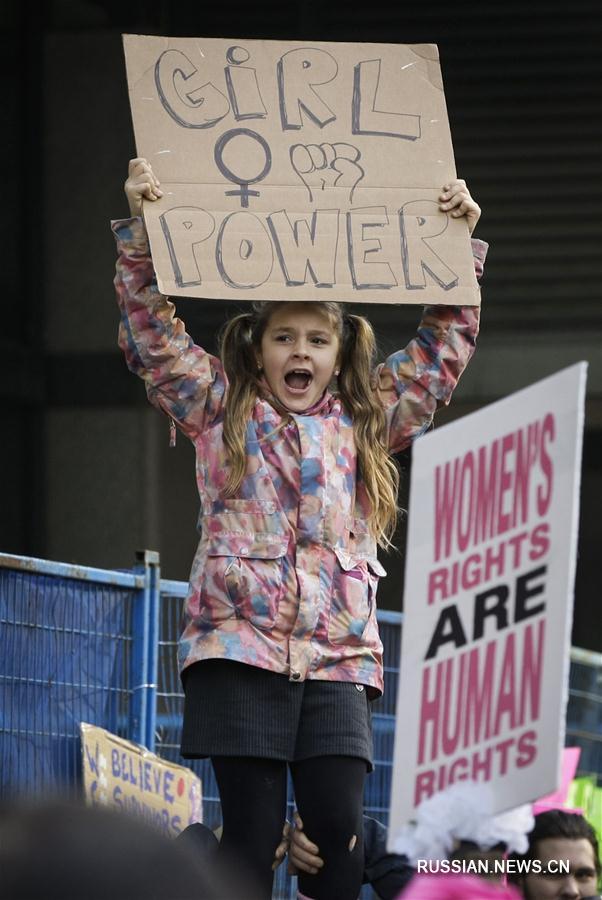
(455, 199)
(141, 182)
(282, 848)
(303, 855)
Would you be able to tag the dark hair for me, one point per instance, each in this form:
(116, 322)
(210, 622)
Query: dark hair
(558, 823)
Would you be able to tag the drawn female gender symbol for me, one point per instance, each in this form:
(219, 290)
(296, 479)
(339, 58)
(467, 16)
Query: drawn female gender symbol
(244, 193)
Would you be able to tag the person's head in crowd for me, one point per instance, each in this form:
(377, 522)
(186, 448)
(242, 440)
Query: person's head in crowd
(560, 838)
(63, 850)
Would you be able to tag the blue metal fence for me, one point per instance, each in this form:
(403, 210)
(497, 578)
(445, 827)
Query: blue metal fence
(83, 644)
(77, 644)
(584, 711)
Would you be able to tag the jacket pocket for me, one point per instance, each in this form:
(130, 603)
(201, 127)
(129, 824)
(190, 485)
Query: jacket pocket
(353, 599)
(252, 570)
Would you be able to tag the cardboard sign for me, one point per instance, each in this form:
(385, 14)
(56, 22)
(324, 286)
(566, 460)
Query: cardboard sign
(488, 599)
(298, 171)
(122, 775)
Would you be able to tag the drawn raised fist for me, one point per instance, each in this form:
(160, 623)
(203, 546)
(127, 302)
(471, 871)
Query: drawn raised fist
(327, 165)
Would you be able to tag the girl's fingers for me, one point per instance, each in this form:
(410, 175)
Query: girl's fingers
(151, 192)
(455, 199)
(134, 163)
(453, 186)
(460, 201)
(466, 207)
(146, 174)
(141, 186)
(144, 185)
(138, 167)
(453, 189)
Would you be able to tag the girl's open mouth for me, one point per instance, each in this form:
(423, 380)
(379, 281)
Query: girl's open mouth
(298, 380)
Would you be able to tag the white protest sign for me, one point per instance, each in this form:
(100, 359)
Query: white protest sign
(490, 569)
(296, 171)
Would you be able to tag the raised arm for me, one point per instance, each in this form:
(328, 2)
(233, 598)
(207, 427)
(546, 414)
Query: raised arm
(182, 379)
(412, 383)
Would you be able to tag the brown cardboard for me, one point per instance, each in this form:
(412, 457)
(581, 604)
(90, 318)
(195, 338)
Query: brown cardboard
(298, 171)
(127, 777)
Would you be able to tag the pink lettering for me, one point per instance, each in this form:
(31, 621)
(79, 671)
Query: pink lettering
(504, 519)
(531, 672)
(479, 691)
(424, 786)
(452, 706)
(445, 504)
(506, 702)
(465, 502)
(544, 495)
(481, 765)
(438, 582)
(527, 749)
(540, 541)
(429, 713)
(486, 493)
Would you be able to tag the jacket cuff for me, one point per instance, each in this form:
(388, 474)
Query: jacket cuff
(479, 254)
(131, 236)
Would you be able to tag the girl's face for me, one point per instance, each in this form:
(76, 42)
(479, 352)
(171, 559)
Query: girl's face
(298, 354)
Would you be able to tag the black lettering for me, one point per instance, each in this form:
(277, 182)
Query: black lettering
(449, 628)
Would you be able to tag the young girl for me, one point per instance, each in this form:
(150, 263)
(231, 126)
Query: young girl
(293, 430)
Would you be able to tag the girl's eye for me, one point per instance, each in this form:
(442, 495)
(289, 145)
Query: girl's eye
(283, 337)
(319, 340)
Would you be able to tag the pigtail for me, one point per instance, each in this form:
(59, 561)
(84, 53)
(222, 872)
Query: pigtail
(240, 365)
(377, 469)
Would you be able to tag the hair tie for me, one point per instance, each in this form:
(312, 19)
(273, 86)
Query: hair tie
(350, 322)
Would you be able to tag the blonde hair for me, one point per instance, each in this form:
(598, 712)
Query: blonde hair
(239, 343)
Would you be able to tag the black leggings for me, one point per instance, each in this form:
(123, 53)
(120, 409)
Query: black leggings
(329, 796)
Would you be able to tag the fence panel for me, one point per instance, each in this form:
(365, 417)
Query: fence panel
(584, 711)
(66, 657)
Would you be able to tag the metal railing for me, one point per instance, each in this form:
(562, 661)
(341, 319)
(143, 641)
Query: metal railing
(76, 644)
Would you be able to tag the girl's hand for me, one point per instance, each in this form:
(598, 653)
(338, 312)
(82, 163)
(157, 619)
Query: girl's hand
(455, 197)
(141, 182)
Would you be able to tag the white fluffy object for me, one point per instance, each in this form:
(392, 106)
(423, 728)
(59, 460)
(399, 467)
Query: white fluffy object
(460, 813)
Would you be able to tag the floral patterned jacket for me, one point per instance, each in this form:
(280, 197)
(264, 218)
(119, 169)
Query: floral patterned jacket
(285, 574)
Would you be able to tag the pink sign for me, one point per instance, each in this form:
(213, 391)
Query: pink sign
(570, 761)
(488, 599)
